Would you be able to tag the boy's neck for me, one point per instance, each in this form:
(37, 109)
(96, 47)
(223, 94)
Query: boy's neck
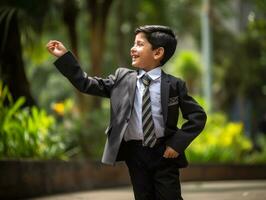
(147, 69)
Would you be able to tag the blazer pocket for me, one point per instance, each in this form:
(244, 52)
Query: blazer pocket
(173, 101)
(108, 130)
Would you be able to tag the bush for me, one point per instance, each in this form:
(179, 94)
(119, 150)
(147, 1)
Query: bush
(84, 132)
(220, 142)
(27, 132)
(258, 156)
(187, 66)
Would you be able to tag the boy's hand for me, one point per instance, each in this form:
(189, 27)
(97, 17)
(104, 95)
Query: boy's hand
(56, 48)
(170, 153)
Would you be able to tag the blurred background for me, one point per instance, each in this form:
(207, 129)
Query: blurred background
(221, 54)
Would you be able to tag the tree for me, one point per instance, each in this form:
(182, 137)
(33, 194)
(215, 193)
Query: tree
(11, 63)
(70, 16)
(188, 66)
(12, 69)
(98, 11)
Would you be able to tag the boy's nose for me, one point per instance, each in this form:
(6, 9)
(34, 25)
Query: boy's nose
(132, 50)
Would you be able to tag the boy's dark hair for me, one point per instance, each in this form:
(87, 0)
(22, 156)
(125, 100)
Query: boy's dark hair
(160, 36)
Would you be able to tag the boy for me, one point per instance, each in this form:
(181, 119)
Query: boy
(144, 112)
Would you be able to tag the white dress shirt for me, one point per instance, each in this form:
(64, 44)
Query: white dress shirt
(134, 130)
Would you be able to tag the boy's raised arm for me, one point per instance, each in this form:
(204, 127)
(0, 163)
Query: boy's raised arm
(67, 64)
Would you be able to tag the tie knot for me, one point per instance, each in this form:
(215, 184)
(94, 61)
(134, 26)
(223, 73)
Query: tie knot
(146, 79)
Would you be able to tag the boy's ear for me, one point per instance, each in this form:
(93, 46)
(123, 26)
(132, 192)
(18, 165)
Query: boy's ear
(159, 52)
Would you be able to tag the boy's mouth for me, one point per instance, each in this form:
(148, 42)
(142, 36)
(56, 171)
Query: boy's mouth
(134, 57)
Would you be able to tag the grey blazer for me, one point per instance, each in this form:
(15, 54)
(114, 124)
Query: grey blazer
(120, 88)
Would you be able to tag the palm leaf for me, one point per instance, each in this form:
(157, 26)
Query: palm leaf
(6, 15)
(17, 105)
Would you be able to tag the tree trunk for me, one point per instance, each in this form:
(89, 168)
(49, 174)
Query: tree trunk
(12, 70)
(70, 14)
(98, 11)
(120, 35)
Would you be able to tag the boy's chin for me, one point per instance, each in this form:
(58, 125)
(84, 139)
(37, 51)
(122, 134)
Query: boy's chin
(142, 68)
(137, 66)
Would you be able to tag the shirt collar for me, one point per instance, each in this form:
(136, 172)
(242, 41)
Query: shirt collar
(154, 73)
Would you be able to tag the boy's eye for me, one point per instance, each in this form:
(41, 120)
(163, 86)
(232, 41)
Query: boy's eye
(138, 44)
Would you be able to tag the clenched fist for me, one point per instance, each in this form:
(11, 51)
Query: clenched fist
(56, 48)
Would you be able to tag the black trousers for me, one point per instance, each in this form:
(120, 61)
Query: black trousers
(153, 177)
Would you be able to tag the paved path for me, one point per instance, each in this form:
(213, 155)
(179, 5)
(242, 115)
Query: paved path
(218, 190)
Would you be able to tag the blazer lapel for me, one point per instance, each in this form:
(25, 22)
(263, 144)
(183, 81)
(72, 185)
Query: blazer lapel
(132, 81)
(165, 86)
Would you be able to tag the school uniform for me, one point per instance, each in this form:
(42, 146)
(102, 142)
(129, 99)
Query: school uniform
(152, 175)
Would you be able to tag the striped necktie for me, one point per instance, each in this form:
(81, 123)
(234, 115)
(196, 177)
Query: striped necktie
(147, 121)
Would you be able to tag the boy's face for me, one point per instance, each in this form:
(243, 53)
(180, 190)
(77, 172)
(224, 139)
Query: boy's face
(142, 54)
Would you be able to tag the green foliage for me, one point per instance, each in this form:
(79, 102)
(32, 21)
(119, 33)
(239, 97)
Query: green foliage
(239, 67)
(220, 142)
(94, 135)
(84, 131)
(27, 132)
(245, 77)
(187, 66)
(32, 11)
(258, 157)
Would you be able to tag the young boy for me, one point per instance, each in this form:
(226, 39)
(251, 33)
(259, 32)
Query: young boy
(145, 106)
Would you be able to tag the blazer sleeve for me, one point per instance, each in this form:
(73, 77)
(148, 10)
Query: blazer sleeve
(70, 68)
(195, 121)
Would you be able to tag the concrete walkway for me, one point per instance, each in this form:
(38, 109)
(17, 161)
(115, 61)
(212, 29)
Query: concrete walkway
(215, 190)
